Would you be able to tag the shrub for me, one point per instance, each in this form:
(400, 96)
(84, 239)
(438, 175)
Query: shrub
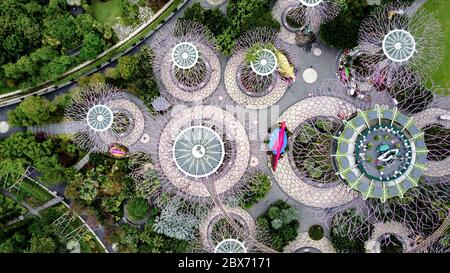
(137, 208)
(259, 186)
(315, 232)
(280, 223)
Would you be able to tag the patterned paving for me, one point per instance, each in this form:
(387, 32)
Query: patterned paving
(304, 241)
(215, 214)
(384, 228)
(277, 13)
(234, 130)
(243, 99)
(205, 91)
(285, 176)
(128, 139)
(424, 119)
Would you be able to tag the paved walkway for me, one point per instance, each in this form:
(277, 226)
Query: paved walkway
(424, 119)
(277, 13)
(304, 241)
(285, 176)
(250, 102)
(234, 132)
(31, 210)
(167, 76)
(388, 228)
(237, 214)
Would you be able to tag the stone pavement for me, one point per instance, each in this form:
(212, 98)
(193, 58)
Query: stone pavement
(424, 119)
(304, 241)
(285, 176)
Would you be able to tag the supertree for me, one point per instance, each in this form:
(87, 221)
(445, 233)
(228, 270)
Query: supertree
(186, 60)
(101, 116)
(388, 181)
(230, 230)
(204, 157)
(312, 13)
(395, 41)
(260, 70)
(398, 165)
(301, 19)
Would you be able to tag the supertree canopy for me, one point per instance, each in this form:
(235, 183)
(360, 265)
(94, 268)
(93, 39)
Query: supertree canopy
(310, 13)
(395, 42)
(199, 154)
(381, 174)
(398, 164)
(186, 60)
(260, 70)
(103, 116)
(381, 153)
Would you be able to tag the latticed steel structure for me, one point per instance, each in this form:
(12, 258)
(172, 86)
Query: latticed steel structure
(397, 162)
(260, 69)
(381, 153)
(186, 60)
(102, 115)
(198, 153)
(395, 41)
(309, 14)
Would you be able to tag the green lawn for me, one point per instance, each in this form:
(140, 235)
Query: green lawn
(441, 9)
(33, 194)
(108, 12)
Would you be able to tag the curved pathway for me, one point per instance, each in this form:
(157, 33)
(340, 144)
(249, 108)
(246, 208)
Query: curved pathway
(240, 97)
(381, 229)
(422, 120)
(304, 241)
(285, 176)
(277, 13)
(172, 87)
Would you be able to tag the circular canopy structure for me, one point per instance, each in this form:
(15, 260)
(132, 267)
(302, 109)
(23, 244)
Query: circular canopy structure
(185, 55)
(265, 63)
(381, 153)
(230, 246)
(310, 3)
(399, 45)
(198, 151)
(100, 118)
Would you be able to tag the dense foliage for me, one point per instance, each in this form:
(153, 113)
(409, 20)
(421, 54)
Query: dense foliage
(38, 40)
(33, 235)
(102, 185)
(343, 231)
(146, 240)
(242, 15)
(52, 157)
(315, 232)
(36, 110)
(133, 73)
(258, 187)
(137, 208)
(342, 32)
(280, 222)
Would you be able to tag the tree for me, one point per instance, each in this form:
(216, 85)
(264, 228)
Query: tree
(137, 208)
(42, 245)
(92, 46)
(176, 224)
(342, 32)
(32, 111)
(128, 67)
(56, 67)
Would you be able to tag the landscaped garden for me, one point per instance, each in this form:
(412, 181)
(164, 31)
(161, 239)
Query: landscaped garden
(441, 76)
